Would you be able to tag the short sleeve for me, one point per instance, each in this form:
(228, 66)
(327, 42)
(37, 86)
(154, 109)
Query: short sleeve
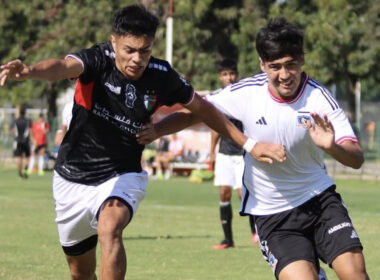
(179, 90)
(342, 127)
(93, 60)
(230, 103)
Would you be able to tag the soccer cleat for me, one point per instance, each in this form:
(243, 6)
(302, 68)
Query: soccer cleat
(28, 172)
(255, 238)
(223, 245)
(41, 173)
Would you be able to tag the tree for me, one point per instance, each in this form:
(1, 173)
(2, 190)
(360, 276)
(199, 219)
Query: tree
(36, 30)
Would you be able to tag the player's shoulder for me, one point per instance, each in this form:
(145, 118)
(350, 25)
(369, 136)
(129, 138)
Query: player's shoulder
(320, 93)
(255, 81)
(158, 65)
(215, 92)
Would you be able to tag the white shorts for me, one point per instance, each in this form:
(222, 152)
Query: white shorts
(77, 205)
(228, 171)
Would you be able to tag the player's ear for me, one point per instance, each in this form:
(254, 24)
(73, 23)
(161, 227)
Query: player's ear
(113, 40)
(302, 60)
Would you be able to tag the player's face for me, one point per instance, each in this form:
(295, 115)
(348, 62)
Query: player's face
(228, 77)
(284, 75)
(132, 54)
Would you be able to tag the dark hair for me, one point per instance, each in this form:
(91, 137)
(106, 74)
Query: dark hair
(227, 64)
(134, 20)
(278, 39)
(22, 111)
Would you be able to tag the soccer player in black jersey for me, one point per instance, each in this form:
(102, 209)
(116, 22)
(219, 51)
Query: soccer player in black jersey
(21, 131)
(98, 180)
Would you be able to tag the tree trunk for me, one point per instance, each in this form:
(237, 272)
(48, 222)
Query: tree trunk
(350, 85)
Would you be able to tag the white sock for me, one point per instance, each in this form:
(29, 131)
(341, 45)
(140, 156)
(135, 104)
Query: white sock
(41, 163)
(31, 163)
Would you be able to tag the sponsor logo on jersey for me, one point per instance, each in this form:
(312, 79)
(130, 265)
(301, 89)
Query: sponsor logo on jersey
(130, 96)
(150, 99)
(114, 89)
(261, 121)
(110, 54)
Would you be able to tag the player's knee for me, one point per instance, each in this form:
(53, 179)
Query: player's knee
(109, 231)
(82, 274)
(225, 194)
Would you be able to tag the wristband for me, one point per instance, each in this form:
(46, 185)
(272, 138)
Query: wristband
(249, 144)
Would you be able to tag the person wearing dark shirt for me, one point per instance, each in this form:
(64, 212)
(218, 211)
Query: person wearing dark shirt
(21, 131)
(228, 163)
(98, 180)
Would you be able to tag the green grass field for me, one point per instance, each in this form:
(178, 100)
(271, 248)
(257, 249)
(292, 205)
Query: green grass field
(170, 238)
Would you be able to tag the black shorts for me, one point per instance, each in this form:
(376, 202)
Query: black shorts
(22, 149)
(318, 229)
(39, 147)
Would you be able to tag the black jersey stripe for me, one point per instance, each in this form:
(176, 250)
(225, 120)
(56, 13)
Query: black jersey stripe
(334, 105)
(246, 195)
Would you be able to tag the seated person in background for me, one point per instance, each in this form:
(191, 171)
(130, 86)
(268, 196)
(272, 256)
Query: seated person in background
(168, 151)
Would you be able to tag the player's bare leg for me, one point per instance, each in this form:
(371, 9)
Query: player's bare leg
(299, 270)
(113, 218)
(350, 265)
(83, 267)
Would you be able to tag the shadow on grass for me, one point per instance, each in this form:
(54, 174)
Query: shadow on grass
(140, 237)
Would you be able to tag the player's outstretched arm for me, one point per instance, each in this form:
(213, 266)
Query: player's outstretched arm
(322, 133)
(48, 70)
(170, 124)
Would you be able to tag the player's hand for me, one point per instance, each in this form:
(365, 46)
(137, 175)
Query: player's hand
(14, 70)
(147, 134)
(267, 152)
(322, 132)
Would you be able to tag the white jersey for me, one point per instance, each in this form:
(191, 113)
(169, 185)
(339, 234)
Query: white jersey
(67, 114)
(270, 189)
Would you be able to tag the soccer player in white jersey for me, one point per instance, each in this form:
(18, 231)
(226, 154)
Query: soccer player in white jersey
(299, 216)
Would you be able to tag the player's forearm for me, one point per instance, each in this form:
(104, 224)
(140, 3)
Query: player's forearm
(214, 140)
(175, 122)
(52, 70)
(348, 153)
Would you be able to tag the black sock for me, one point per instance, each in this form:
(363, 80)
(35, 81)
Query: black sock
(226, 219)
(252, 224)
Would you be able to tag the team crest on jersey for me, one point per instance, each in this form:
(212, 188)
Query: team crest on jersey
(150, 99)
(302, 119)
(130, 96)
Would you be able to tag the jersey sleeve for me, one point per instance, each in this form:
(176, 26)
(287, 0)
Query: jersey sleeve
(342, 127)
(178, 89)
(93, 60)
(230, 103)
